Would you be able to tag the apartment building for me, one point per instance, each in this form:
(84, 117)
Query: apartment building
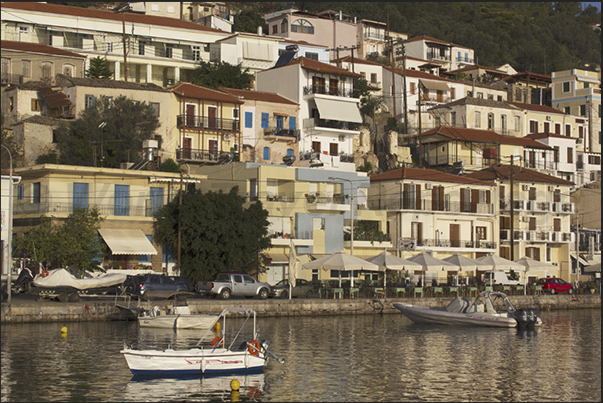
(534, 213)
(329, 113)
(127, 199)
(309, 210)
(253, 52)
(23, 61)
(429, 210)
(527, 88)
(158, 50)
(449, 56)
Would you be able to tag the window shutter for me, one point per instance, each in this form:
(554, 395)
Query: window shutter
(265, 120)
(292, 123)
(248, 120)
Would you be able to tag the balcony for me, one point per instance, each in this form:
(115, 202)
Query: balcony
(424, 243)
(435, 54)
(285, 239)
(281, 134)
(207, 123)
(8, 78)
(314, 123)
(200, 155)
(327, 203)
(280, 198)
(336, 91)
(68, 208)
(408, 202)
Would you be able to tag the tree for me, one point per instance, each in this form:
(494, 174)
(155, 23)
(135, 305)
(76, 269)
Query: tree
(99, 68)
(116, 127)
(74, 244)
(217, 233)
(222, 74)
(16, 151)
(248, 20)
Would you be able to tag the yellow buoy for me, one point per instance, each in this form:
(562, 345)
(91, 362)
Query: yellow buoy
(235, 384)
(63, 330)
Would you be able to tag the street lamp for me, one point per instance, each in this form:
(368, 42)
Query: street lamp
(10, 226)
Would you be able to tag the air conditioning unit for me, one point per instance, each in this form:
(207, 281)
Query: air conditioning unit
(226, 137)
(549, 118)
(579, 141)
(525, 187)
(428, 186)
(525, 219)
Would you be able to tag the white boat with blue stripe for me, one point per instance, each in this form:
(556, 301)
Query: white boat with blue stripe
(205, 358)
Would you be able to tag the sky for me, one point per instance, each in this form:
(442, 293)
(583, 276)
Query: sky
(594, 3)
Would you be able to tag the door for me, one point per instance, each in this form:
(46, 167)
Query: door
(455, 235)
(212, 120)
(190, 115)
(213, 149)
(187, 145)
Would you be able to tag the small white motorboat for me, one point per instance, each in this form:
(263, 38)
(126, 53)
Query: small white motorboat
(204, 358)
(177, 317)
(481, 313)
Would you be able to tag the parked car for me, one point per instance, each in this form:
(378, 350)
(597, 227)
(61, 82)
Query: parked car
(233, 283)
(303, 288)
(149, 286)
(555, 285)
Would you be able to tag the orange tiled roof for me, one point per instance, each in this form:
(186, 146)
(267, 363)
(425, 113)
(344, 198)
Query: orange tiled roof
(519, 174)
(547, 135)
(107, 15)
(320, 67)
(38, 48)
(536, 107)
(258, 95)
(424, 175)
(188, 90)
(420, 74)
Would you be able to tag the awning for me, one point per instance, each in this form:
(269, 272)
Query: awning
(278, 258)
(127, 242)
(435, 85)
(331, 109)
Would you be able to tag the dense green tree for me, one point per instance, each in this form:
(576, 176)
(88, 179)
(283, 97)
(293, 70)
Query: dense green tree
(248, 20)
(222, 74)
(170, 165)
(49, 158)
(75, 244)
(117, 127)
(99, 68)
(16, 151)
(217, 233)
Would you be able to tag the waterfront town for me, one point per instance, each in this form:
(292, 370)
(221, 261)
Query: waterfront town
(437, 157)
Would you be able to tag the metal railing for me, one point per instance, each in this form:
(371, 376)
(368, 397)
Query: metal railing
(328, 90)
(414, 244)
(281, 132)
(196, 154)
(205, 122)
(406, 202)
(68, 208)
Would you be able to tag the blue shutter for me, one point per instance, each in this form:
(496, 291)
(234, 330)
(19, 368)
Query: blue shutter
(266, 153)
(292, 123)
(156, 200)
(289, 151)
(248, 120)
(80, 196)
(122, 200)
(265, 120)
(145, 258)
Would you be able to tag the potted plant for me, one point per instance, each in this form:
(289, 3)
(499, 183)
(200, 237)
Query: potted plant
(311, 198)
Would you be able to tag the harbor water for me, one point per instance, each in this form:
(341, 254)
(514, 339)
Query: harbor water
(352, 358)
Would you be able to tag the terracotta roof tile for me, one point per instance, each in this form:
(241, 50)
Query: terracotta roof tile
(55, 99)
(536, 108)
(489, 103)
(38, 48)
(321, 67)
(430, 175)
(519, 174)
(188, 90)
(258, 96)
(548, 135)
(108, 15)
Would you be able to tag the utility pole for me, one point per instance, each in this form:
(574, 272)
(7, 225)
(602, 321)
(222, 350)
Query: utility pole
(179, 223)
(393, 62)
(404, 88)
(512, 210)
(420, 144)
(122, 9)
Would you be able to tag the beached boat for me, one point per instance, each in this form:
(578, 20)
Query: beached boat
(204, 358)
(176, 317)
(481, 312)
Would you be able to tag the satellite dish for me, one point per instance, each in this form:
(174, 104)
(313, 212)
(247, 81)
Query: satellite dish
(289, 160)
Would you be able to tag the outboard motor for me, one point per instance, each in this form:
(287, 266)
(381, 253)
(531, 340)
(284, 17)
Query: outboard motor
(23, 282)
(526, 318)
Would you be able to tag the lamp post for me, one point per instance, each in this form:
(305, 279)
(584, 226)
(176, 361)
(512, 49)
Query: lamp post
(351, 219)
(10, 227)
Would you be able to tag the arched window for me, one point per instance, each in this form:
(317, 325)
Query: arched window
(284, 26)
(490, 121)
(503, 124)
(302, 26)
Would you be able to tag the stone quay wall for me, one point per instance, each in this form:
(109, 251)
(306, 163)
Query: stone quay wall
(107, 309)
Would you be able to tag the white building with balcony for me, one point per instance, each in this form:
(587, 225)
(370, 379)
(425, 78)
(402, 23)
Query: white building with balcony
(329, 113)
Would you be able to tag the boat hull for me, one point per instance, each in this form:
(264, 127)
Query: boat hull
(422, 314)
(191, 362)
(197, 322)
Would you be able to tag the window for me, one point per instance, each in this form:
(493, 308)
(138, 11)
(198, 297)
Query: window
(594, 160)
(169, 50)
(568, 130)
(156, 200)
(55, 136)
(121, 200)
(266, 155)
(265, 120)
(374, 78)
(490, 121)
(90, 102)
(35, 104)
(80, 196)
(249, 120)
(20, 192)
(566, 110)
(47, 70)
(480, 233)
(155, 108)
(275, 29)
(582, 110)
(302, 27)
(453, 118)
(285, 26)
(141, 46)
(109, 47)
(547, 127)
(26, 68)
(556, 154)
(533, 126)
(478, 119)
(413, 88)
(566, 86)
(499, 98)
(557, 128)
(145, 258)
(491, 96)
(196, 53)
(503, 123)
(570, 155)
(517, 123)
(480, 95)
(312, 55)
(36, 192)
(68, 70)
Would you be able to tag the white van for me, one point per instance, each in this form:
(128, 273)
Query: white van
(499, 277)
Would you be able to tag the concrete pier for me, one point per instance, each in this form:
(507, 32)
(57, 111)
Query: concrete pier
(106, 310)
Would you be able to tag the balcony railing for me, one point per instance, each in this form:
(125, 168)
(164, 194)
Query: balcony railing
(195, 154)
(327, 90)
(8, 78)
(305, 156)
(410, 203)
(277, 133)
(205, 122)
(414, 244)
(68, 208)
(331, 124)
(435, 55)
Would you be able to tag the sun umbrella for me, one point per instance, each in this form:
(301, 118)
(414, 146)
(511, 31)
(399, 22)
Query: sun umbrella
(466, 263)
(387, 261)
(430, 263)
(530, 264)
(341, 261)
(593, 268)
(499, 263)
